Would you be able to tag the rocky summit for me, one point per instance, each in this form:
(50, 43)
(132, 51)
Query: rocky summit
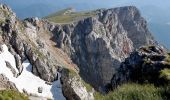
(76, 58)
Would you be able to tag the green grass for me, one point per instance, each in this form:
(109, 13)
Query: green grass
(167, 60)
(12, 95)
(72, 73)
(133, 91)
(165, 74)
(74, 16)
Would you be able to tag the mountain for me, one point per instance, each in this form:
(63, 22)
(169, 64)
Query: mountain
(70, 55)
(104, 39)
(156, 13)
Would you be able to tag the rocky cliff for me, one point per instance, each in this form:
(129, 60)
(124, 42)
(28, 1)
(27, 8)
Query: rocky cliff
(100, 43)
(92, 46)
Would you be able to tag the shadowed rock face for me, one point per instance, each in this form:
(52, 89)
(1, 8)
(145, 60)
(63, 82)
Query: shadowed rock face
(143, 66)
(99, 44)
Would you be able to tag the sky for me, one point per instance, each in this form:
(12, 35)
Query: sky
(156, 12)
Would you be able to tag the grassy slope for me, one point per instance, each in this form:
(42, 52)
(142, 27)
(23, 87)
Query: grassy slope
(131, 91)
(12, 95)
(134, 91)
(60, 17)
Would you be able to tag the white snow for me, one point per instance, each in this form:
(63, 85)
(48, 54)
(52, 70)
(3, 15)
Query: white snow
(7, 56)
(27, 80)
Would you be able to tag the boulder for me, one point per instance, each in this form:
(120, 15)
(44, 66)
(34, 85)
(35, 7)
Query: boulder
(73, 88)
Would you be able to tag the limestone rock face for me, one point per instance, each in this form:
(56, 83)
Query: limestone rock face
(133, 23)
(143, 65)
(18, 35)
(72, 87)
(99, 44)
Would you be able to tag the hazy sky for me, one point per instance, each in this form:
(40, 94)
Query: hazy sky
(43, 7)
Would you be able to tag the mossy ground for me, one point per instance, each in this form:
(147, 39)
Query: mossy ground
(12, 95)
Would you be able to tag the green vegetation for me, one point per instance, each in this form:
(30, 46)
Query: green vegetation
(165, 74)
(133, 91)
(88, 86)
(38, 53)
(167, 59)
(72, 73)
(60, 17)
(12, 95)
(2, 20)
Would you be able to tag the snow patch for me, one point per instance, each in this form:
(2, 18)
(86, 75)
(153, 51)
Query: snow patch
(28, 81)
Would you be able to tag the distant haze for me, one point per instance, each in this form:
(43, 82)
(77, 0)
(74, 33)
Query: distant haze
(156, 12)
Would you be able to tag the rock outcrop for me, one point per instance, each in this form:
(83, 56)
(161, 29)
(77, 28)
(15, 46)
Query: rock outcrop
(12, 69)
(143, 66)
(5, 83)
(17, 35)
(73, 88)
(99, 44)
